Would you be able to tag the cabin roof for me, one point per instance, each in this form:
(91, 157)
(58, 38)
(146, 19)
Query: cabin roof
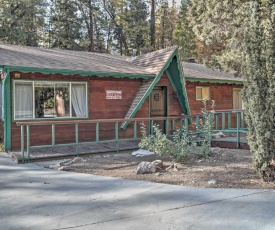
(149, 67)
(198, 72)
(57, 59)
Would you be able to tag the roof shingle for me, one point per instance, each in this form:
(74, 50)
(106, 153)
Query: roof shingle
(34, 57)
(194, 70)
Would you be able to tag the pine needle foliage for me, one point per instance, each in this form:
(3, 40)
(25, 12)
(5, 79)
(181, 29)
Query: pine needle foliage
(258, 70)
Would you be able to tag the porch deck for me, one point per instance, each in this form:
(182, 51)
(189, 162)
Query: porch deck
(69, 151)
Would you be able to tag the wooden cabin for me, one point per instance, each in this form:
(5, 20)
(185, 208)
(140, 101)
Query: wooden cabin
(222, 87)
(41, 84)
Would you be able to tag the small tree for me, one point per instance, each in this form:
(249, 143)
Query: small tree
(259, 85)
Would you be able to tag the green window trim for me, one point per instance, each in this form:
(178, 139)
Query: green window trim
(34, 118)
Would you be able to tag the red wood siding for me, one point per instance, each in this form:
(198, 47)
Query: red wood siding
(99, 108)
(222, 94)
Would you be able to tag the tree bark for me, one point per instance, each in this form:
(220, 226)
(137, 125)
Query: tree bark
(152, 25)
(91, 30)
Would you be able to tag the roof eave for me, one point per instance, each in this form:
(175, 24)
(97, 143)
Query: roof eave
(24, 69)
(207, 80)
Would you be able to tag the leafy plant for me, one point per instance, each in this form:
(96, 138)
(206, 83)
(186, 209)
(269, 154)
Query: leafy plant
(206, 128)
(181, 144)
(156, 142)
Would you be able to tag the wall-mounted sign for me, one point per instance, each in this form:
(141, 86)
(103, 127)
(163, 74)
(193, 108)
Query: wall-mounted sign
(113, 94)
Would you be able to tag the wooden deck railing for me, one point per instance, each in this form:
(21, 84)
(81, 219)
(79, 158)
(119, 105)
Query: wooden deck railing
(190, 123)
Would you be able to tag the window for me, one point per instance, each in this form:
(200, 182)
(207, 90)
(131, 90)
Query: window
(237, 99)
(46, 99)
(202, 92)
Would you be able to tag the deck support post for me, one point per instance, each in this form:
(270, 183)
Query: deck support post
(97, 132)
(135, 130)
(238, 129)
(22, 142)
(76, 139)
(53, 134)
(116, 130)
(28, 142)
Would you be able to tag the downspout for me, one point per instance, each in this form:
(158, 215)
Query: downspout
(7, 110)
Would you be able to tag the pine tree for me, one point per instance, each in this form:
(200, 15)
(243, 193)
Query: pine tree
(183, 35)
(220, 25)
(65, 25)
(22, 22)
(259, 85)
(136, 25)
(165, 24)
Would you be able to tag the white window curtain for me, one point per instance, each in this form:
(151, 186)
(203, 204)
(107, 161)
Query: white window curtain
(79, 99)
(23, 100)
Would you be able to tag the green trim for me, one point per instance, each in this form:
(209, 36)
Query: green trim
(7, 110)
(183, 82)
(185, 105)
(194, 79)
(77, 72)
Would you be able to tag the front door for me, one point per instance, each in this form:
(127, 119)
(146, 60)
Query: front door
(158, 105)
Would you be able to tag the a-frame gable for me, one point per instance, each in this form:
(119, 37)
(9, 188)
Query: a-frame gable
(174, 71)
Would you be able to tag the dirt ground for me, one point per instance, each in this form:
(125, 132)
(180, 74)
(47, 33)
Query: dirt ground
(224, 168)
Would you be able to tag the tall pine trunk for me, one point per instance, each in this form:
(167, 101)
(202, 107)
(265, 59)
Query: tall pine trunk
(152, 25)
(91, 28)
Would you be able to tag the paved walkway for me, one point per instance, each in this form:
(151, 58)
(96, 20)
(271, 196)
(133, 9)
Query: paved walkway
(32, 197)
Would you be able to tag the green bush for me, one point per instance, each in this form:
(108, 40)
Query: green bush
(181, 144)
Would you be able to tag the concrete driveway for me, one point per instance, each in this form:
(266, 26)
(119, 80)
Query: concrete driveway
(32, 197)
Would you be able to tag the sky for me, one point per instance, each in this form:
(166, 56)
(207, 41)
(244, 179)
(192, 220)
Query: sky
(177, 2)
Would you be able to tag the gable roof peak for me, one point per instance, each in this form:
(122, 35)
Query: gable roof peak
(153, 53)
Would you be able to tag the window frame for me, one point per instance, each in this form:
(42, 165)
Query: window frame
(33, 100)
(200, 99)
(241, 99)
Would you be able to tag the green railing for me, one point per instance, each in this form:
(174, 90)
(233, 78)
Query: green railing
(170, 125)
(228, 121)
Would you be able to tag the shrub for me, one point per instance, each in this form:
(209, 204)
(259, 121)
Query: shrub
(181, 144)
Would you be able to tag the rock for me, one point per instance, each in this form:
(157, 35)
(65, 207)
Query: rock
(157, 174)
(76, 159)
(146, 167)
(218, 135)
(158, 164)
(213, 181)
(63, 168)
(55, 166)
(142, 152)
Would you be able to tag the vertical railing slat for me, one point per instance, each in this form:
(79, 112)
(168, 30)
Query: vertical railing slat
(229, 122)
(173, 126)
(223, 121)
(186, 125)
(28, 142)
(217, 121)
(116, 130)
(135, 130)
(238, 129)
(197, 123)
(22, 142)
(76, 139)
(97, 132)
(53, 134)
